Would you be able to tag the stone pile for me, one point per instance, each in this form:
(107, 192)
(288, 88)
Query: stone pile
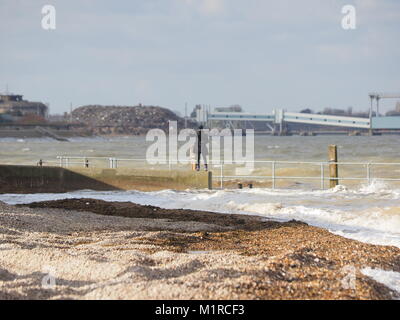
(125, 120)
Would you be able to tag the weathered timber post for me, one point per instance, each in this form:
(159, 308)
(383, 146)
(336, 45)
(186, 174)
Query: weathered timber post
(333, 166)
(209, 180)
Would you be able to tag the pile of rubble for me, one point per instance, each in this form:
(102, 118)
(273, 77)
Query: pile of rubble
(125, 120)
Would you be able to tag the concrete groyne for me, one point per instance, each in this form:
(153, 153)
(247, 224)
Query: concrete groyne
(32, 179)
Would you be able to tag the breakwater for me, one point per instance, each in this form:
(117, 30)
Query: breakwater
(33, 179)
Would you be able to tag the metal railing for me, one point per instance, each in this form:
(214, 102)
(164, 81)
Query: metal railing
(113, 163)
(321, 177)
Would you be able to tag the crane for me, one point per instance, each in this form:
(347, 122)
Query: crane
(378, 96)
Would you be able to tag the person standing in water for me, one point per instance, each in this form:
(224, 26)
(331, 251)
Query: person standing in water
(201, 149)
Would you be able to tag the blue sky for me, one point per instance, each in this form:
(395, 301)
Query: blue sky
(257, 53)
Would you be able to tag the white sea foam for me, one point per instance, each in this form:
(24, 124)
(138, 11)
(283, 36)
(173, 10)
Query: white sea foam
(390, 279)
(370, 213)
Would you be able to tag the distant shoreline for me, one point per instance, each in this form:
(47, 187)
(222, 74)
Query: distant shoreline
(33, 133)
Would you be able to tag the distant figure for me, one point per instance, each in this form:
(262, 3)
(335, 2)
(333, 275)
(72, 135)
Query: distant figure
(201, 150)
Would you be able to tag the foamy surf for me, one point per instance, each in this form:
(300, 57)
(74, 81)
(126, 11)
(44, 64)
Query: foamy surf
(370, 213)
(390, 279)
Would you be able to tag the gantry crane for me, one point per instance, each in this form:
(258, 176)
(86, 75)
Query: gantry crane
(378, 96)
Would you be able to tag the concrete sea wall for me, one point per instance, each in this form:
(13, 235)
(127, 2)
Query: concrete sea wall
(32, 179)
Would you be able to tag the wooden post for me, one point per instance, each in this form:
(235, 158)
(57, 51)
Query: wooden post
(333, 167)
(209, 180)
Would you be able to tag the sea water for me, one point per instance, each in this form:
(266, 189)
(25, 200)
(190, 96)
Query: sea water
(368, 212)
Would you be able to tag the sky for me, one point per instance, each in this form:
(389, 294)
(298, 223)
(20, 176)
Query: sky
(259, 54)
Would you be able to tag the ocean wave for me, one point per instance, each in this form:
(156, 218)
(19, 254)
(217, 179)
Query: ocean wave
(370, 213)
(391, 279)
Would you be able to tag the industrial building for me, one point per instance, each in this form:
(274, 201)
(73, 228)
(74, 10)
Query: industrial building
(14, 105)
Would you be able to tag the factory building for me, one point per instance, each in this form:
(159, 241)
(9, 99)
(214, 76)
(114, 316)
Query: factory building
(14, 105)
